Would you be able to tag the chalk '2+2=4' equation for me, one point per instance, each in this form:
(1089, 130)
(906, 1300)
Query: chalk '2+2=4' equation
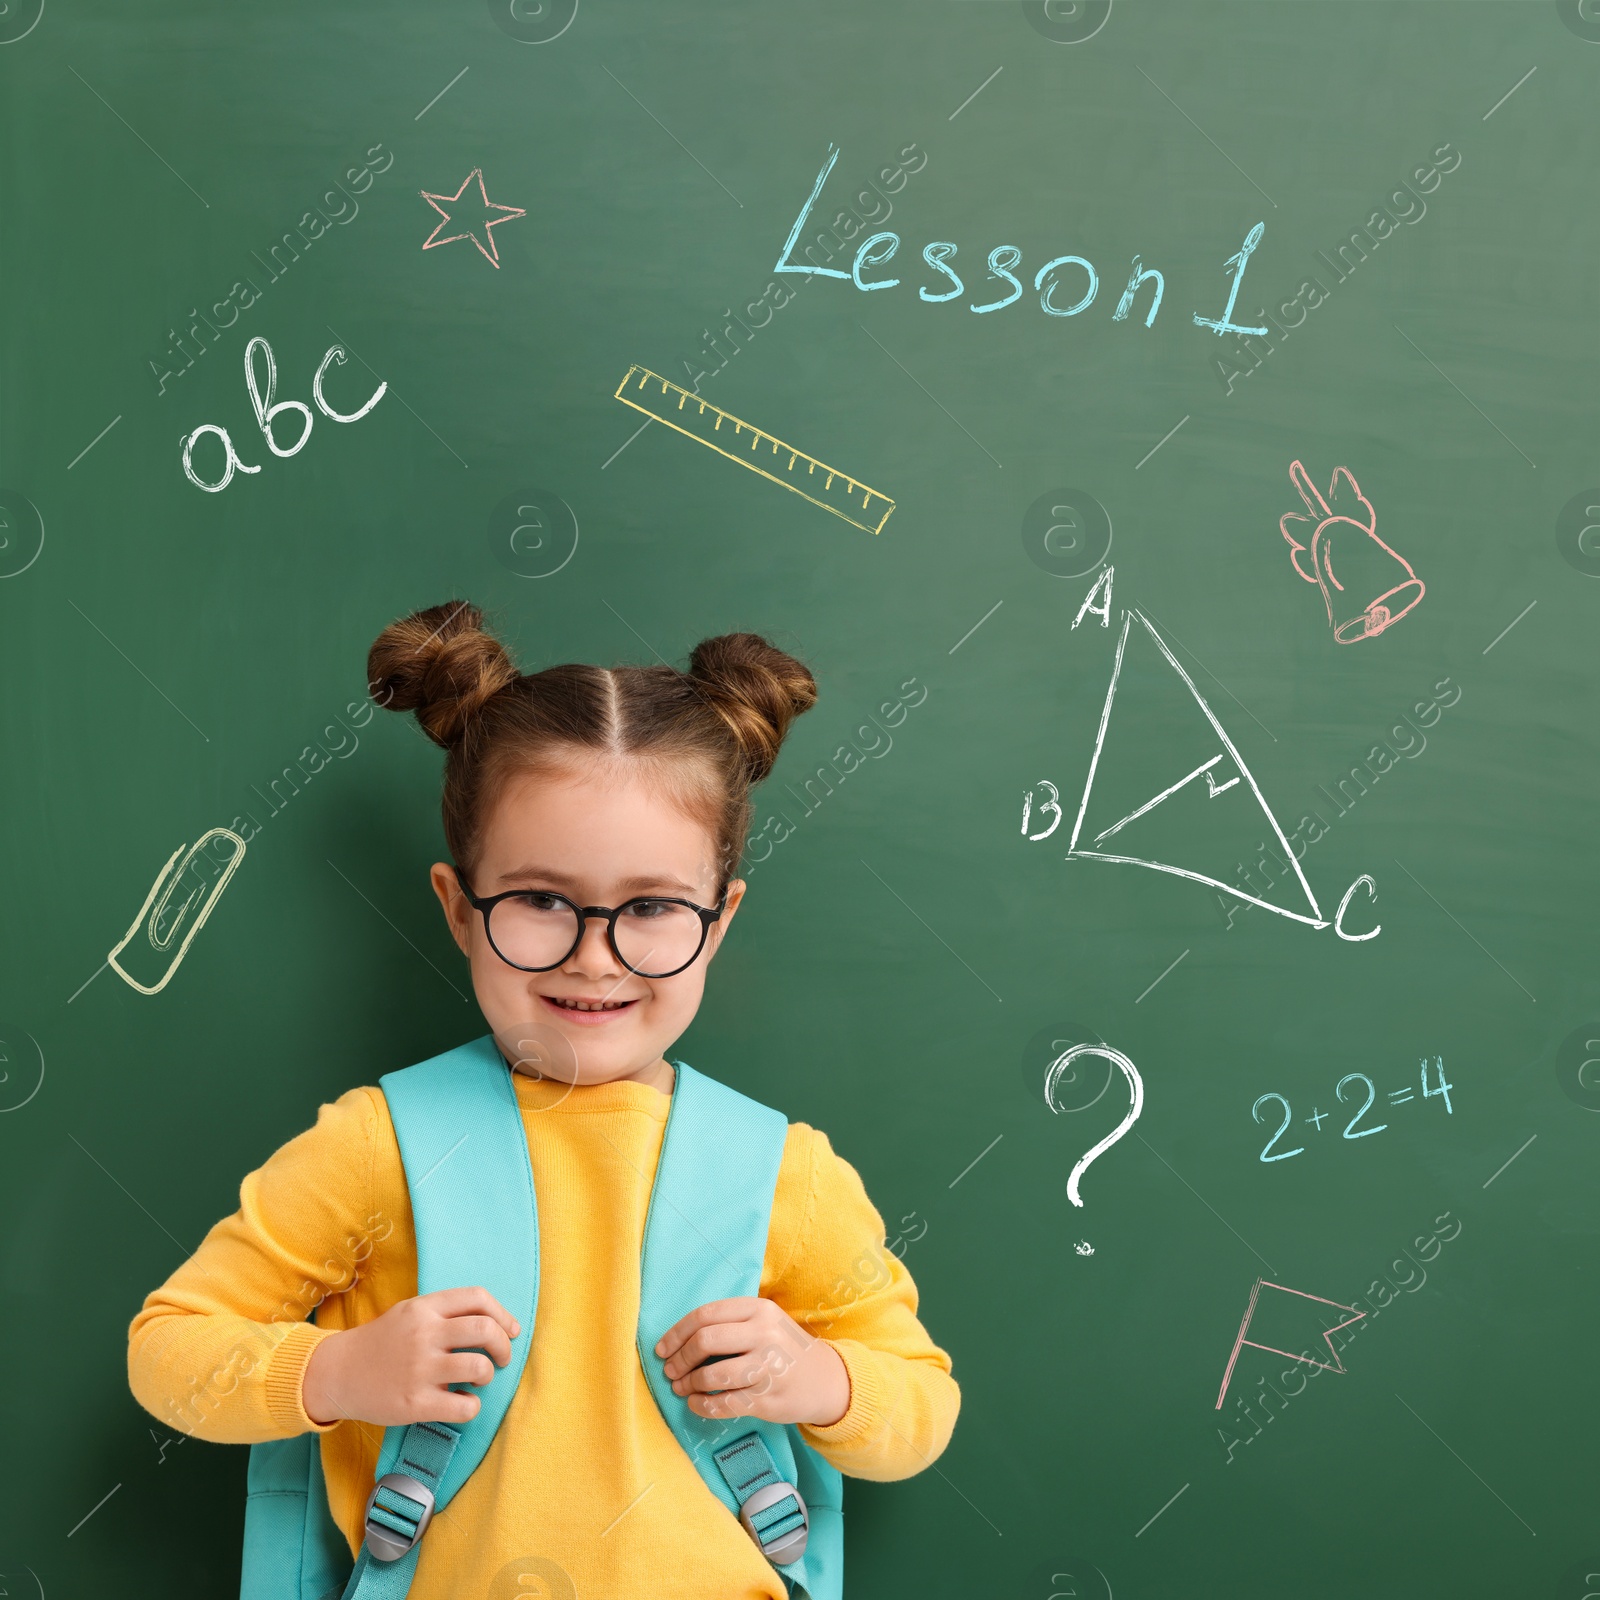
(1397, 1097)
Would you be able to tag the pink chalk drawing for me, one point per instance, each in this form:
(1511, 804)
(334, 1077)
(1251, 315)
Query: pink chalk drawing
(1346, 520)
(478, 228)
(1249, 1313)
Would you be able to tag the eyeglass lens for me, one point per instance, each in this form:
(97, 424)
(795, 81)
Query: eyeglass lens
(653, 937)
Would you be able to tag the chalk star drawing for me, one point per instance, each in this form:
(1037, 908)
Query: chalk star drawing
(1370, 567)
(477, 229)
(1191, 827)
(1275, 1306)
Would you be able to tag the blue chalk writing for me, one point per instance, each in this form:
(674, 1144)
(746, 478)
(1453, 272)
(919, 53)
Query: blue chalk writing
(1125, 304)
(1366, 1105)
(784, 264)
(936, 255)
(1255, 1112)
(1039, 283)
(1004, 261)
(1238, 263)
(1434, 1087)
(865, 258)
(1001, 260)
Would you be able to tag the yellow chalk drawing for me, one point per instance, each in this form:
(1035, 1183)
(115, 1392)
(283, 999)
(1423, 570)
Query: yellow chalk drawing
(701, 421)
(165, 915)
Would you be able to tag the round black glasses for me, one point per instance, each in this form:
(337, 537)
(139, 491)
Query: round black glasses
(537, 930)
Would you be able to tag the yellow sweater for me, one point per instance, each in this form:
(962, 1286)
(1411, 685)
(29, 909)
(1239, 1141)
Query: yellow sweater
(584, 1478)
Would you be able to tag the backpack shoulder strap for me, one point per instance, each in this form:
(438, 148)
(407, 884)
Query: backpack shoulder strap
(466, 1162)
(473, 1209)
(705, 1239)
(476, 1221)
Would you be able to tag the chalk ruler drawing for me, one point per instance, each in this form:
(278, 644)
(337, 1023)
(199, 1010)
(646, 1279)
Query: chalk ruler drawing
(1271, 1305)
(1346, 522)
(819, 483)
(165, 915)
(470, 229)
(1226, 775)
(1136, 1104)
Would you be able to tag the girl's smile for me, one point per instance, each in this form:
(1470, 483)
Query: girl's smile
(588, 1013)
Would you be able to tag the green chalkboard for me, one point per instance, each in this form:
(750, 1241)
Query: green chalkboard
(1341, 575)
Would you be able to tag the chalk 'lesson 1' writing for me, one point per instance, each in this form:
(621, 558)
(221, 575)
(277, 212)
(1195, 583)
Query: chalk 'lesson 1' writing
(1055, 282)
(1404, 1095)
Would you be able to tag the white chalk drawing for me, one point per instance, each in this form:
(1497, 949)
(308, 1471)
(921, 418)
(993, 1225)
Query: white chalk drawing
(1135, 1089)
(1312, 916)
(164, 916)
(1050, 806)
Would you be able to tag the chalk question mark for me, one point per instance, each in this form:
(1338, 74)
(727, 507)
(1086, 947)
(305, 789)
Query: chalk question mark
(1135, 1088)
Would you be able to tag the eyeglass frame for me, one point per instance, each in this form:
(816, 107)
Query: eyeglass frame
(708, 918)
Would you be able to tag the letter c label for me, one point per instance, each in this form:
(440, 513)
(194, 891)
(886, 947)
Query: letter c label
(1338, 916)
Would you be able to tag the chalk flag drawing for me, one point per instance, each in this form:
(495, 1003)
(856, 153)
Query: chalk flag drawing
(1136, 1105)
(1242, 783)
(833, 490)
(1378, 587)
(163, 916)
(470, 230)
(1271, 1306)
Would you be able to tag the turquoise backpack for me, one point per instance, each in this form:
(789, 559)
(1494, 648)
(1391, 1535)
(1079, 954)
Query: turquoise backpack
(477, 1222)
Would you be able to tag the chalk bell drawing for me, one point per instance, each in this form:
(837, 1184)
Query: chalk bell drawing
(169, 919)
(1377, 587)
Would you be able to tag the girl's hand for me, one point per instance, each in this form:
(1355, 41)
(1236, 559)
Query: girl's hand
(398, 1368)
(762, 1364)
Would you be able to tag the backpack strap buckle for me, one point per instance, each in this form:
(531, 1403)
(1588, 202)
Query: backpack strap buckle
(781, 1539)
(401, 1504)
(399, 1510)
(770, 1507)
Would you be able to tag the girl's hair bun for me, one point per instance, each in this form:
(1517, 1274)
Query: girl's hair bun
(756, 689)
(440, 664)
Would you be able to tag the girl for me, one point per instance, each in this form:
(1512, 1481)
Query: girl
(567, 793)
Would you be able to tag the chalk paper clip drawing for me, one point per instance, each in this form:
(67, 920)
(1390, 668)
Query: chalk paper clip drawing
(807, 477)
(1278, 1314)
(180, 900)
(478, 228)
(1373, 586)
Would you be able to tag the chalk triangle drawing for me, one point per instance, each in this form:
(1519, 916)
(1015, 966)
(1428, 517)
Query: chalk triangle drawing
(1221, 777)
(1272, 1310)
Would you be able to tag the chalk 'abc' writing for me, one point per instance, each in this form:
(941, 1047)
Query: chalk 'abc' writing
(266, 410)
